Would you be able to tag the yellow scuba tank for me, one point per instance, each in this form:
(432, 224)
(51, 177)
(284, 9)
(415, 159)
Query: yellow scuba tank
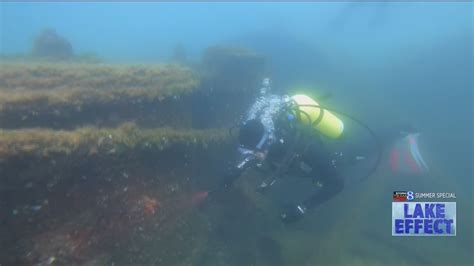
(328, 124)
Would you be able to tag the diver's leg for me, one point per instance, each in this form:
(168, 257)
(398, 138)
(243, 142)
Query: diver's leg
(324, 170)
(330, 188)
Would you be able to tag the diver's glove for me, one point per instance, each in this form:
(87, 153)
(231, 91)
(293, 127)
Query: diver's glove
(292, 213)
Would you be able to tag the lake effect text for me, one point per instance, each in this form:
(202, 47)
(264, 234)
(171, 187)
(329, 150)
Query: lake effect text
(427, 218)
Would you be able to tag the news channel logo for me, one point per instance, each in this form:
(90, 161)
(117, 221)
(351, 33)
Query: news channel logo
(423, 214)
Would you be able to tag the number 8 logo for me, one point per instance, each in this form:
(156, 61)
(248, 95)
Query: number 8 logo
(410, 195)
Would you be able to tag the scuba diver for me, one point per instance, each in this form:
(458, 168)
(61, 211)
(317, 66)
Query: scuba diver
(286, 134)
(289, 136)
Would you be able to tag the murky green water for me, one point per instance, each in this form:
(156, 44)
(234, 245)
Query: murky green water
(106, 158)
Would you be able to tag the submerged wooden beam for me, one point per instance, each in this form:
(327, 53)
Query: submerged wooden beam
(24, 84)
(66, 96)
(106, 141)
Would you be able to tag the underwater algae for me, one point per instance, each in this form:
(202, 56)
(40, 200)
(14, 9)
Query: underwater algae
(46, 142)
(72, 83)
(101, 163)
(70, 95)
(42, 89)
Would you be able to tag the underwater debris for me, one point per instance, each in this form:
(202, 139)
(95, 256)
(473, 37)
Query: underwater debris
(49, 44)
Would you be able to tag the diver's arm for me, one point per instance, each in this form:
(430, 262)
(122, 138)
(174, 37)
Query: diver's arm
(234, 172)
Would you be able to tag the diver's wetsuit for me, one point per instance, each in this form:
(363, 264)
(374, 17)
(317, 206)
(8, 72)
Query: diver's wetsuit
(318, 162)
(323, 170)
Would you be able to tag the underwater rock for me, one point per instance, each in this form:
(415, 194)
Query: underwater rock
(49, 44)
